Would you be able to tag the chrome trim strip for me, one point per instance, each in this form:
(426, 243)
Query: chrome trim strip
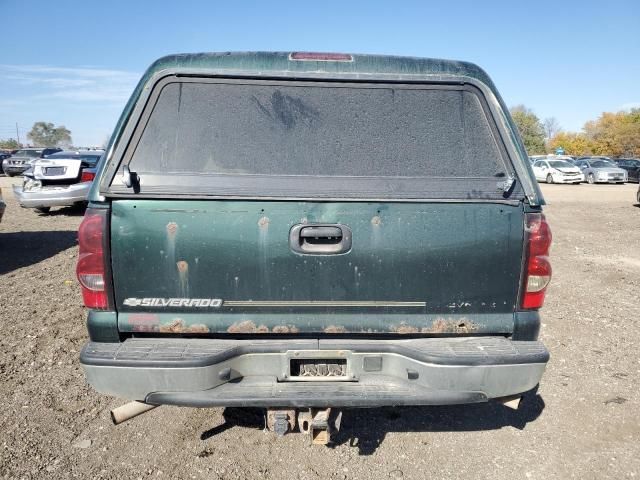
(319, 303)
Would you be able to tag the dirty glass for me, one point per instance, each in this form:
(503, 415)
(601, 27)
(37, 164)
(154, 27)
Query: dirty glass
(317, 130)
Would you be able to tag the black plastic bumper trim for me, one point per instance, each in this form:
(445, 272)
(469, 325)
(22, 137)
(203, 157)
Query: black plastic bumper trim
(249, 392)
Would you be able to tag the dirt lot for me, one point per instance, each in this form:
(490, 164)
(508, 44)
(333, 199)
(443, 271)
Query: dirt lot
(584, 424)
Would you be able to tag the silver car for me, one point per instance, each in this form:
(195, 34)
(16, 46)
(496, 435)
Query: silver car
(59, 180)
(601, 170)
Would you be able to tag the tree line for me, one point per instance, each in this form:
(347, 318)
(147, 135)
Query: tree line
(613, 134)
(42, 134)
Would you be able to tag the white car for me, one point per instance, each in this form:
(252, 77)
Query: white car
(557, 171)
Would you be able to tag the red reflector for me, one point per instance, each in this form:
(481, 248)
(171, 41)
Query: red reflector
(91, 268)
(87, 176)
(538, 273)
(533, 300)
(321, 57)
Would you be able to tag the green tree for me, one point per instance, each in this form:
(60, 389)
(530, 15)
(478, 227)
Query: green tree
(615, 134)
(10, 144)
(45, 134)
(530, 128)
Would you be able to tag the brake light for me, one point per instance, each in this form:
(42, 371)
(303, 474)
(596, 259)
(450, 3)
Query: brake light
(91, 261)
(87, 176)
(538, 273)
(321, 57)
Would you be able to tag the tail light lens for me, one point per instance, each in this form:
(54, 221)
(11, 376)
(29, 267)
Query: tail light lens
(87, 176)
(538, 272)
(91, 259)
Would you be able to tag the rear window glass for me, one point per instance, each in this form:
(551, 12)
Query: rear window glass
(318, 130)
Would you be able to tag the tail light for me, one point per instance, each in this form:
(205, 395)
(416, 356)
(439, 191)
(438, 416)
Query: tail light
(538, 268)
(91, 259)
(87, 176)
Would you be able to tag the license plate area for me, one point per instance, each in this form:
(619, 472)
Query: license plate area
(54, 171)
(317, 366)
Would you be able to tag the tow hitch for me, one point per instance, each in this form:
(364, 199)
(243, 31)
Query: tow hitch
(318, 423)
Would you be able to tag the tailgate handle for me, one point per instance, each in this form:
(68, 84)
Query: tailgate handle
(328, 233)
(320, 239)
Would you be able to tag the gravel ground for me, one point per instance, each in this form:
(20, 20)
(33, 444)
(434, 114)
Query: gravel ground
(583, 424)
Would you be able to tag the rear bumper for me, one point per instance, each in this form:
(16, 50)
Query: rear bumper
(256, 373)
(52, 196)
(579, 179)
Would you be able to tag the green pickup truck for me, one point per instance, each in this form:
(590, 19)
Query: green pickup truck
(304, 232)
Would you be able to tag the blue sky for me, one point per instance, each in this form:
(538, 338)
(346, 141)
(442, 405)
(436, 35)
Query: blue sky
(76, 62)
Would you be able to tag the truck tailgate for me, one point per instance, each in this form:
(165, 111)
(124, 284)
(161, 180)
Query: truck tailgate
(213, 266)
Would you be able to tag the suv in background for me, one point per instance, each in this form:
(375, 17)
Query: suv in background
(22, 160)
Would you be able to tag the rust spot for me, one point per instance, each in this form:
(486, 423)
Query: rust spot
(183, 267)
(442, 325)
(142, 318)
(177, 326)
(198, 328)
(335, 329)
(404, 329)
(243, 327)
(263, 222)
(376, 221)
(285, 329)
(183, 278)
(172, 229)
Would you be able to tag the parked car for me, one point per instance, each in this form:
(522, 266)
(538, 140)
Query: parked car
(2, 205)
(263, 246)
(557, 171)
(4, 155)
(601, 170)
(61, 179)
(534, 158)
(632, 166)
(22, 160)
(567, 158)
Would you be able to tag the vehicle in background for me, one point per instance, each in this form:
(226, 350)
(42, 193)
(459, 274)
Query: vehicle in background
(4, 154)
(61, 179)
(22, 160)
(632, 166)
(557, 171)
(534, 158)
(2, 205)
(601, 170)
(567, 158)
(263, 246)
